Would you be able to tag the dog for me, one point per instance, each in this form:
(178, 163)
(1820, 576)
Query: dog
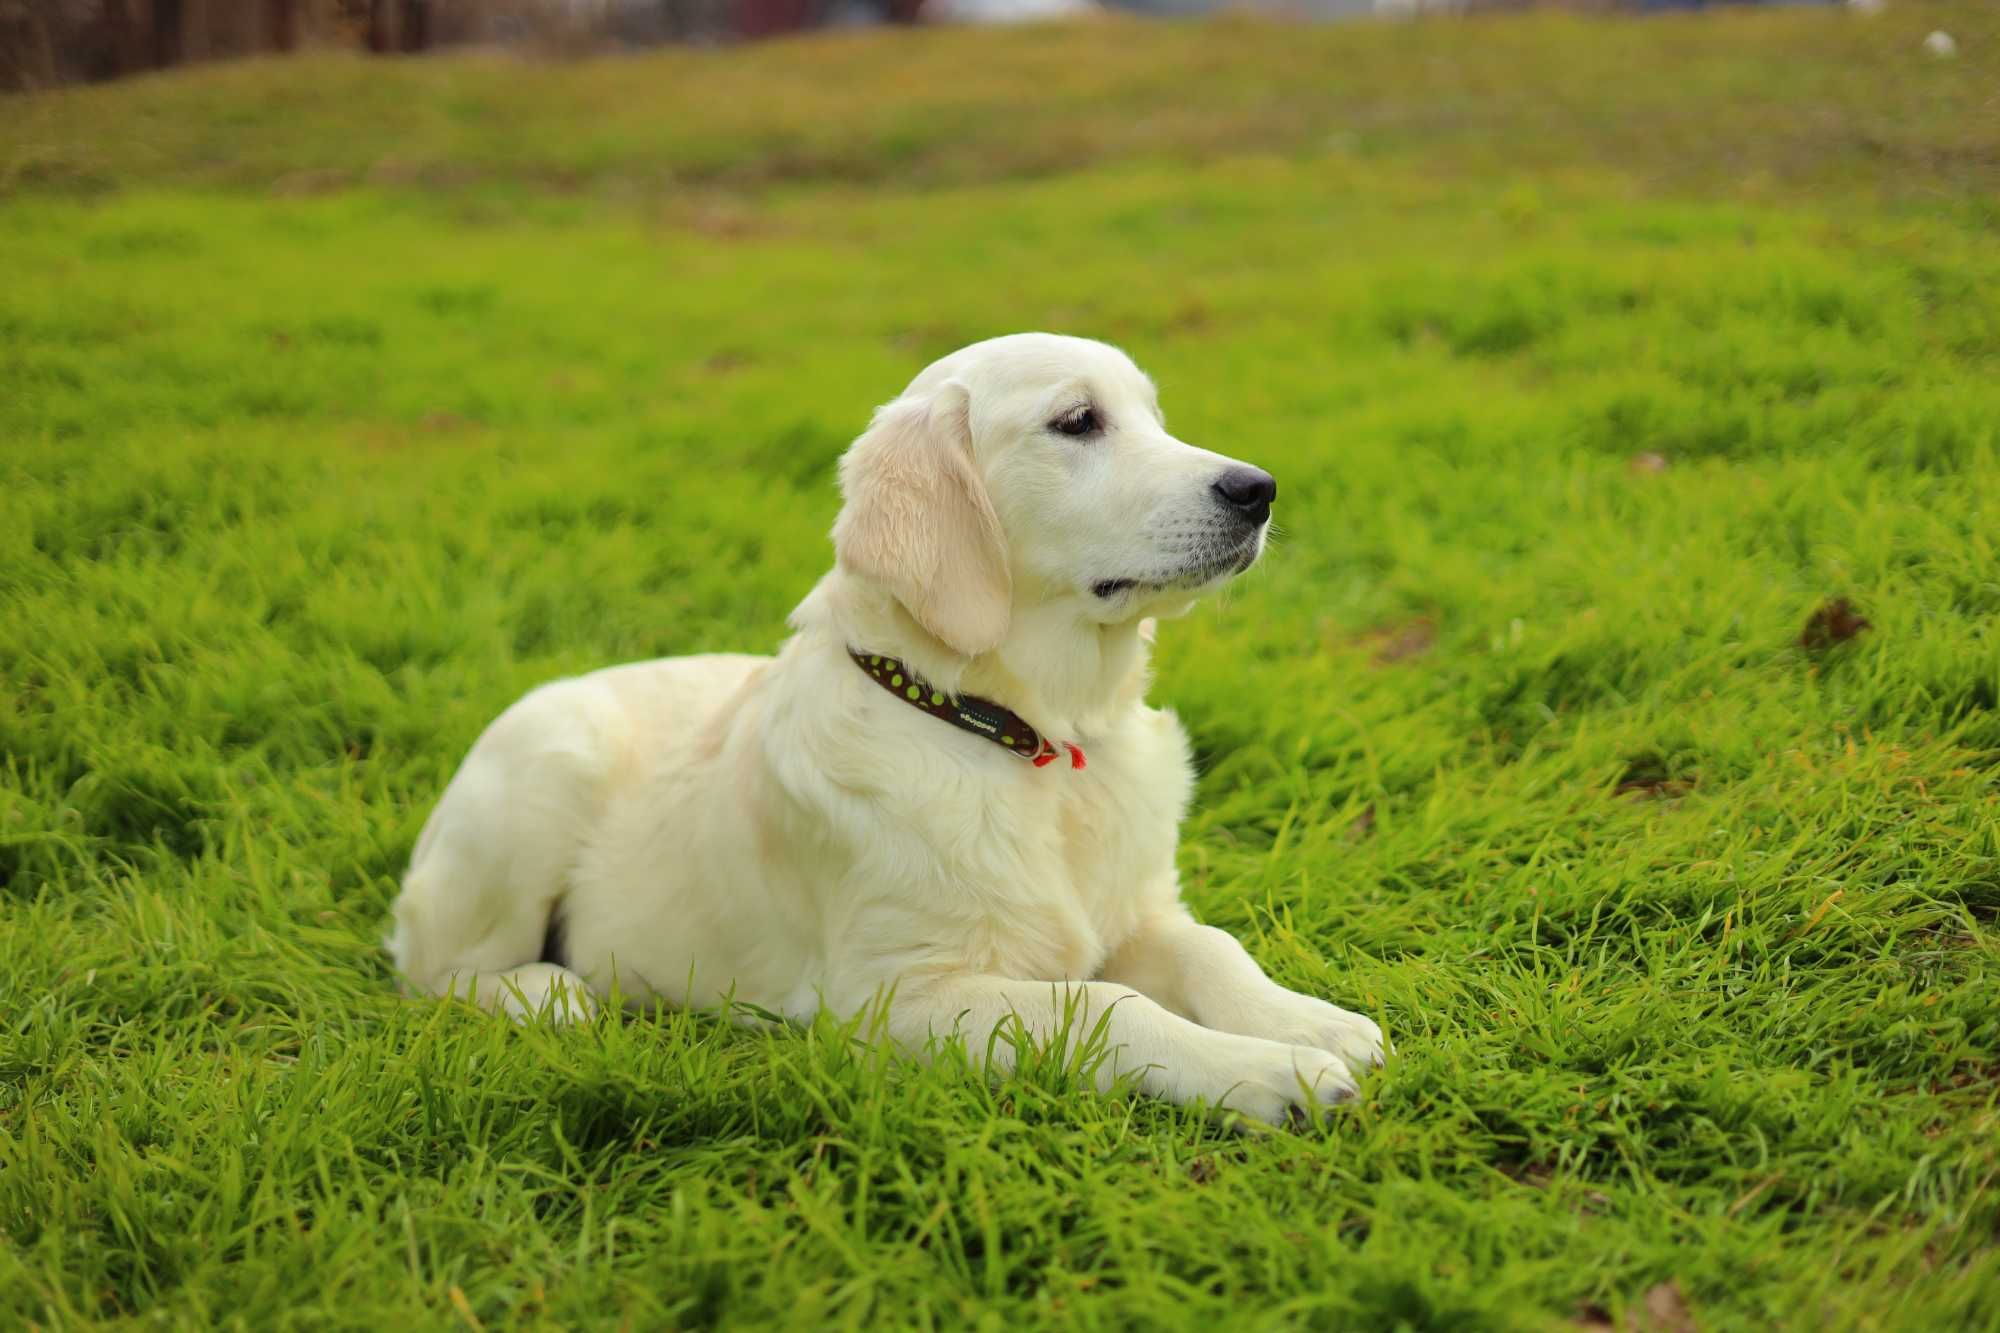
(945, 795)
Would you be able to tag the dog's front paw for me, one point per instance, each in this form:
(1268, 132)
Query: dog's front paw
(1301, 1020)
(1282, 1085)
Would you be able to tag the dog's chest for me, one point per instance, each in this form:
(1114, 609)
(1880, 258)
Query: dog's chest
(1010, 870)
(1116, 828)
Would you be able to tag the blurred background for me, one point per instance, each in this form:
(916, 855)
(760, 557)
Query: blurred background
(45, 42)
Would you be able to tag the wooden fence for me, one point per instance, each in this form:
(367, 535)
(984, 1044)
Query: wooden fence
(45, 42)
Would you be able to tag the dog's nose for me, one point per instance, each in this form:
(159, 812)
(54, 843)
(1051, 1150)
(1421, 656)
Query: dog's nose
(1249, 491)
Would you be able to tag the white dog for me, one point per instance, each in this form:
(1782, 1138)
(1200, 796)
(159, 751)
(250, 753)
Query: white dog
(946, 788)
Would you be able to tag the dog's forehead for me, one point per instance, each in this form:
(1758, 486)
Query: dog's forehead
(1034, 365)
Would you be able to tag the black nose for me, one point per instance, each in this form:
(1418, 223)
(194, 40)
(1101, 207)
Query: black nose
(1249, 491)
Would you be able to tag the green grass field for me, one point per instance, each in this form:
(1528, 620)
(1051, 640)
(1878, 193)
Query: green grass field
(341, 402)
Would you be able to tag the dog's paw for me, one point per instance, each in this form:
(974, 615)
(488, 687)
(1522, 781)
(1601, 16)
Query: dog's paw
(1301, 1020)
(1283, 1085)
(546, 992)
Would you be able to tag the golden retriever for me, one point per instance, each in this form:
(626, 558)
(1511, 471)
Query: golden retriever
(856, 818)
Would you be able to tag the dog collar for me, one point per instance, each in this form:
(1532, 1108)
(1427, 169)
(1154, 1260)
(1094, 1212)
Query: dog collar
(982, 717)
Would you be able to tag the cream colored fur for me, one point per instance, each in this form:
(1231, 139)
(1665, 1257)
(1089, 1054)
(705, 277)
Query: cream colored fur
(783, 831)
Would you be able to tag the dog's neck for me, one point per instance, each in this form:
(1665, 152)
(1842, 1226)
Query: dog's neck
(1066, 674)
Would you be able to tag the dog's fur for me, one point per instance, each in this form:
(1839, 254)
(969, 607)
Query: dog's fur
(784, 831)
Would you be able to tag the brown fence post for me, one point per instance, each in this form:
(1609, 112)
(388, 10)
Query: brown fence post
(281, 24)
(416, 25)
(168, 46)
(126, 37)
(27, 51)
(381, 26)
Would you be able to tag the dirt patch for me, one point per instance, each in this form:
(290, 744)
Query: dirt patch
(1663, 1309)
(1649, 776)
(1834, 623)
(1400, 641)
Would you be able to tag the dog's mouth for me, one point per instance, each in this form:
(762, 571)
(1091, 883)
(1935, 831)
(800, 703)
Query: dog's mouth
(1205, 570)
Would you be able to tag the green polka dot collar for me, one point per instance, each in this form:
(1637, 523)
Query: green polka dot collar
(982, 717)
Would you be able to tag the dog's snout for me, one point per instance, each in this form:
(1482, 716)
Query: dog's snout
(1247, 490)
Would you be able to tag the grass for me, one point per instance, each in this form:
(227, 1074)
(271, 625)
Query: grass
(1685, 932)
(1764, 102)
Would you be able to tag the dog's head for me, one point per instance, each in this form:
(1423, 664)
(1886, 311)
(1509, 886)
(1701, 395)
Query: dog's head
(1032, 468)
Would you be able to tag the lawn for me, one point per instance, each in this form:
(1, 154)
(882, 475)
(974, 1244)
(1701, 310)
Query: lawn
(1599, 362)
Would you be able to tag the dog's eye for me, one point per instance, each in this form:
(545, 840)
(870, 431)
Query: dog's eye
(1083, 421)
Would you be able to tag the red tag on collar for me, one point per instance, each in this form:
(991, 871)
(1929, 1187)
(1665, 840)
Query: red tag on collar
(1048, 752)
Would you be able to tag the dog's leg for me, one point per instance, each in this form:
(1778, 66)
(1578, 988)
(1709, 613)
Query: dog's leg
(1171, 1057)
(452, 938)
(492, 863)
(1204, 974)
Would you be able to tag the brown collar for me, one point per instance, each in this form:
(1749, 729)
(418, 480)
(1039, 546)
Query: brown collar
(982, 717)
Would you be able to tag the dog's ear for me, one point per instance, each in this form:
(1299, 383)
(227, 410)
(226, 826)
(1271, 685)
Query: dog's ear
(917, 520)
